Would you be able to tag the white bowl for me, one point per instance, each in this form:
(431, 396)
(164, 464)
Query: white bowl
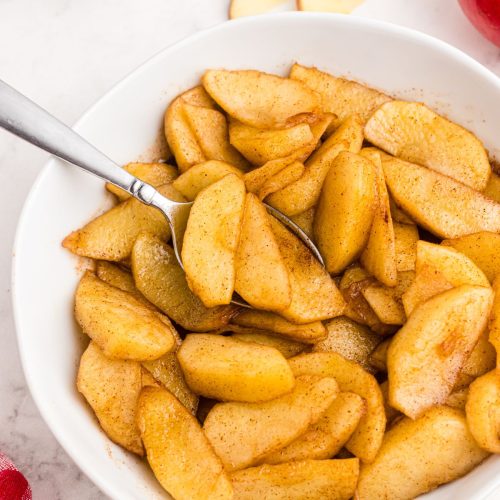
(123, 124)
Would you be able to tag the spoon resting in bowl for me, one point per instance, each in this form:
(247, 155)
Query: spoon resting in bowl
(22, 117)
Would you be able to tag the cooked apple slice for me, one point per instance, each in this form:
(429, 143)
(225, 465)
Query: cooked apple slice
(262, 145)
(112, 388)
(338, 95)
(243, 8)
(111, 236)
(287, 347)
(483, 411)
(379, 256)
(200, 176)
(213, 231)
(314, 294)
(155, 174)
(406, 237)
(210, 129)
(427, 354)
(494, 323)
(413, 132)
(226, 369)
(305, 192)
(259, 99)
(160, 278)
(311, 479)
(261, 275)
(438, 203)
(325, 438)
(456, 267)
(388, 309)
(243, 433)
(122, 326)
(338, 6)
(418, 455)
(492, 189)
(482, 248)
(167, 371)
(345, 210)
(180, 137)
(166, 428)
(305, 221)
(282, 179)
(267, 321)
(367, 437)
(349, 339)
(482, 359)
(427, 283)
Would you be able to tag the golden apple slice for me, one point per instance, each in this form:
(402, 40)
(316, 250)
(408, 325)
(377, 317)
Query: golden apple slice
(492, 189)
(415, 133)
(338, 6)
(328, 435)
(180, 137)
(243, 8)
(200, 176)
(427, 283)
(305, 221)
(483, 411)
(261, 275)
(456, 267)
(406, 237)
(122, 326)
(211, 240)
(287, 347)
(417, 456)
(338, 95)
(315, 296)
(438, 203)
(349, 339)
(210, 129)
(267, 321)
(155, 174)
(226, 369)
(379, 256)
(282, 179)
(262, 145)
(427, 354)
(112, 388)
(482, 248)
(494, 323)
(111, 236)
(311, 479)
(259, 99)
(168, 430)
(345, 210)
(243, 433)
(366, 440)
(305, 192)
(160, 278)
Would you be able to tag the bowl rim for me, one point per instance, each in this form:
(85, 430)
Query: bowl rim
(418, 37)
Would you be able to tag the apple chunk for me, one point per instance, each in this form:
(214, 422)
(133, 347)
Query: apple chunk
(211, 240)
(425, 357)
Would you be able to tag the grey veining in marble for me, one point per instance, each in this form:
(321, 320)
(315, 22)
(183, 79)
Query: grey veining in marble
(65, 54)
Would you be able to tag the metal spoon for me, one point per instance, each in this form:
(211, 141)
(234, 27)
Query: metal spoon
(27, 120)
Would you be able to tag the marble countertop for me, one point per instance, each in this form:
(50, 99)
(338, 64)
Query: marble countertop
(64, 54)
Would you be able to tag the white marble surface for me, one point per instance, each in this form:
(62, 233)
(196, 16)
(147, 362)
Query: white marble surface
(64, 54)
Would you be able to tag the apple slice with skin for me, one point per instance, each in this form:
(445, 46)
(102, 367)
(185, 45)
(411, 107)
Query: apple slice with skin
(243, 8)
(338, 6)
(425, 357)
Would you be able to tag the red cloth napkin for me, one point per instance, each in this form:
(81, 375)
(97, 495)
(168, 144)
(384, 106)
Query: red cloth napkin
(13, 485)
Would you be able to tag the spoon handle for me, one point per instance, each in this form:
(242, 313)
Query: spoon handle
(27, 120)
